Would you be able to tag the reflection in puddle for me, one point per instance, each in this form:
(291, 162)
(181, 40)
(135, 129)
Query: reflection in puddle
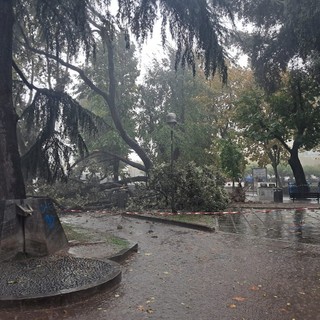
(302, 225)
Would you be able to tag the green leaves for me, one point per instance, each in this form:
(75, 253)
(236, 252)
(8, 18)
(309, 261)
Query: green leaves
(195, 26)
(54, 124)
(232, 160)
(286, 36)
(195, 188)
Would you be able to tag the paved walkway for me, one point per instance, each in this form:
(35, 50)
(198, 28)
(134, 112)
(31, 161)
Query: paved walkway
(185, 274)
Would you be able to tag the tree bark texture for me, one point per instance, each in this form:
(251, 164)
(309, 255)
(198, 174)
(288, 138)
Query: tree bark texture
(114, 112)
(296, 167)
(11, 179)
(110, 100)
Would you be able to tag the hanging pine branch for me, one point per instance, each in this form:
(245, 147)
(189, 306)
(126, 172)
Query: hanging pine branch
(195, 26)
(57, 122)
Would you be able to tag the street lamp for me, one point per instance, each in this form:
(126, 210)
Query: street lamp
(172, 121)
(276, 159)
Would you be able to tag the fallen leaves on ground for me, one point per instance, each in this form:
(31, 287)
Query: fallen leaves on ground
(255, 288)
(151, 300)
(147, 308)
(143, 309)
(239, 299)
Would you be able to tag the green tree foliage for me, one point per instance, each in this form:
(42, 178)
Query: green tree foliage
(165, 90)
(53, 146)
(46, 151)
(284, 31)
(195, 188)
(232, 160)
(205, 109)
(290, 116)
(58, 32)
(127, 95)
(284, 37)
(193, 24)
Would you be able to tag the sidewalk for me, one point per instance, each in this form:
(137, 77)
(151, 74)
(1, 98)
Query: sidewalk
(252, 201)
(185, 274)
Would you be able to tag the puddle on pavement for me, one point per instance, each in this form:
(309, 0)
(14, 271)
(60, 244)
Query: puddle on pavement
(301, 225)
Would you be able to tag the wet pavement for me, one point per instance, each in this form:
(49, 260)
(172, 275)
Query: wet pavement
(295, 224)
(259, 264)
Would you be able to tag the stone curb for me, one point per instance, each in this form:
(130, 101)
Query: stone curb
(74, 295)
(66, 296)
(171, 222)
(273, 206)
(124, 254)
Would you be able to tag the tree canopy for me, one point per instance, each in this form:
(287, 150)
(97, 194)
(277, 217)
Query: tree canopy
(165, 90)
(197, 26)
(44, 40)
(284, 33)
(290, 116)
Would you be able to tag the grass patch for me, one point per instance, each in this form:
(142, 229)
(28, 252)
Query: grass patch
(82, 235)
(201, 219)
(119, 242)
(75, 233)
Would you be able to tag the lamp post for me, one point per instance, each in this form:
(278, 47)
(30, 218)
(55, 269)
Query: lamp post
(172, 121)
(276, 159)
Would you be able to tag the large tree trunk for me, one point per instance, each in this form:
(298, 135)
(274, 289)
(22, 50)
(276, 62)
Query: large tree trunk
(297, 168)
(109, 98)
(114, 112)
(11, 179)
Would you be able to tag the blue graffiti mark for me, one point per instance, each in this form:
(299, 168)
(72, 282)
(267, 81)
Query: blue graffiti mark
(50, 221)
(45, 207)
